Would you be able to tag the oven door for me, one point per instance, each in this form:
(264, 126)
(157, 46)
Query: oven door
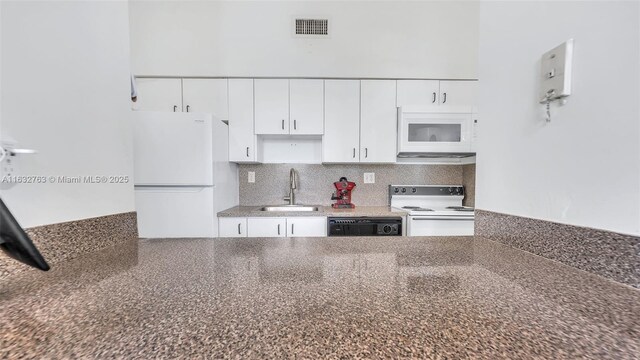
(428, 131)
(440, 226)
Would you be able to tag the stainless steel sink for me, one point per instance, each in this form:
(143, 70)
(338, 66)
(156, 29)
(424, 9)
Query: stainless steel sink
(290, 208)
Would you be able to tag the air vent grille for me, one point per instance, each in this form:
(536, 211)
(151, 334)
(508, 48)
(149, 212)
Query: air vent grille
(312, 27)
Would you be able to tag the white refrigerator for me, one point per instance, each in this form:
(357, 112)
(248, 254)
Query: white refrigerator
(182, 174)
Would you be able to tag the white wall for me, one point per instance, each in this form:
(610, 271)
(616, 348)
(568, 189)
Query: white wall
(65, 92)
(368, 39)
(583, 168)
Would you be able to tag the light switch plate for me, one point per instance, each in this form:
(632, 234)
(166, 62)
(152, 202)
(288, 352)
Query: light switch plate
(369, 178)
(251, 177)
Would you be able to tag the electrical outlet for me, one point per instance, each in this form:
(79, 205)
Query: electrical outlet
(369, 178)
(251, 177)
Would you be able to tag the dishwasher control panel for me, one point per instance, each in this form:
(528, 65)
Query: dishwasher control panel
(364, 226)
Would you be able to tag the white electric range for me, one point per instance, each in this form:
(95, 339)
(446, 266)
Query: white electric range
(434, 210)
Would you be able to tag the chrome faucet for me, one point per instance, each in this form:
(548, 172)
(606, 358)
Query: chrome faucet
(293, 184)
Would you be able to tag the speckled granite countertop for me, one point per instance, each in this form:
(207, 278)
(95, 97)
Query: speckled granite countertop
(253, 211)
(317, 298)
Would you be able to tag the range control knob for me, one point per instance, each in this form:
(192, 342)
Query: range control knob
(413, 190)
(396, 190)
(450, 190)
(386, 229)
(404, 190)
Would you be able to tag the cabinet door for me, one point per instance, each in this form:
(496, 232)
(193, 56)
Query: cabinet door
(242, 140)
(232, 227)
(307, 226)
(266, 227)
(341, 140)
(378, 121)
(272, 106)
(306, 107)
(418, 92)
(159, 95)
(206, 95)
(458, 93)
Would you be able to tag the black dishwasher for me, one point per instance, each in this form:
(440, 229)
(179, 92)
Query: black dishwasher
(364, 226)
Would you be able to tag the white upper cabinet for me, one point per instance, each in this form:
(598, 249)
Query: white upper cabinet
(159, 95)
(306, 107)
(242, 140)
(418, 92)
(458, 93)
(206, 95)
(188, 95)
(272, 106)
(341, 140)
(436, 92)
(378, 121)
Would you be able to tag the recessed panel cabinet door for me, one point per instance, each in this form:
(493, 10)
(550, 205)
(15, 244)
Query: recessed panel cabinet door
(341, 140)
(159, 95)
(206, 95)
(418, 92)
(306, 107)
(458, 93)
(242, 140)
(378, 121)
(272, 106)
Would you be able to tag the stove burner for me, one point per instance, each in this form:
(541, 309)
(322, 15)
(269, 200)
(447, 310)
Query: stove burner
(460, 208)
(416, 208)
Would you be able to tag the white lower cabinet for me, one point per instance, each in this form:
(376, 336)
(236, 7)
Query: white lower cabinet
(266, 227)
(232, 227)
(310, 226)
(306, 226)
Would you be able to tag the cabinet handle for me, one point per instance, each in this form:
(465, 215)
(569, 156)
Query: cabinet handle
(282, 124)
(247, 151)
(434, 98)
(444, 98)
(366, 152)
(278, 229)
(354, 153)
(175, 108)
(188, 108)
(292, 229)
(239, 232)
(294, 125)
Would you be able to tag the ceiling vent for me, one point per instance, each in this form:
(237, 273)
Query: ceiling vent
(312, 27)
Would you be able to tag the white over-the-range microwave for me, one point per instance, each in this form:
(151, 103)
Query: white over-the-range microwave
(436, 131)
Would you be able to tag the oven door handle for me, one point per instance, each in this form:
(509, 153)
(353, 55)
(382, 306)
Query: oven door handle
(443, 218)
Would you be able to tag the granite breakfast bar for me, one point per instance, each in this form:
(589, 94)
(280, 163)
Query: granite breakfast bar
(394, 297)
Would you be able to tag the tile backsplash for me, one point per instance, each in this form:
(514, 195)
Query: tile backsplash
(315, 181)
